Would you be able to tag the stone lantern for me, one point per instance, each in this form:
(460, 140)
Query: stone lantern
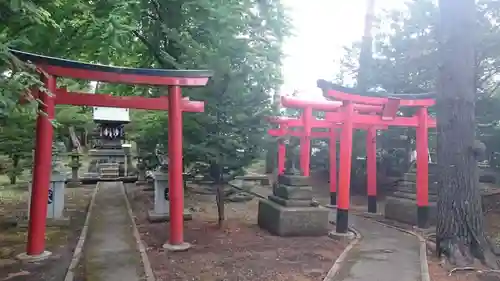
(75, 164)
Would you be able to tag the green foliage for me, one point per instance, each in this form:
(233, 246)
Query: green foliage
(240, 41)
(75, 117)
(405, 56)
(17, 18)
(16, 140)
(147, 129)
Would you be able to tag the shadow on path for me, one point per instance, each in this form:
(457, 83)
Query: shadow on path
(383, 254)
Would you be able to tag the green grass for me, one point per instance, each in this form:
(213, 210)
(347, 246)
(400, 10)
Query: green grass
(12, 193)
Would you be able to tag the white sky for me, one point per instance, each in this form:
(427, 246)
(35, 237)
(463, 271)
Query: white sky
(322, 28)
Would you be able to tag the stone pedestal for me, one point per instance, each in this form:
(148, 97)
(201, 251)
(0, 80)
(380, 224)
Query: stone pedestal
(74, 174)
(109, 170)
(487, 174)
(74, 181)
(402, 204)
(290, 211)
(160, 213)
(55, 204)
(106, 156)
(75, 164)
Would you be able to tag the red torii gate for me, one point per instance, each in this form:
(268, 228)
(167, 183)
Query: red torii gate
(354, 111)
(332, 123)
(52, 68)
(307, 122)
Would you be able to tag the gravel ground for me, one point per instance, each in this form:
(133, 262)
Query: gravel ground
(239, 250)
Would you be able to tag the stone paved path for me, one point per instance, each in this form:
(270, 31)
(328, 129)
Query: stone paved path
(110, 252)
(383, 254)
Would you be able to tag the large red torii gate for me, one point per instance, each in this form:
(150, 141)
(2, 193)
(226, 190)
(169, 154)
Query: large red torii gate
(347, 110)
(332, 123)
(52, 68)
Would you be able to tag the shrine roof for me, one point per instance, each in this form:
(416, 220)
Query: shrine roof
(326, 86)
(114, 74)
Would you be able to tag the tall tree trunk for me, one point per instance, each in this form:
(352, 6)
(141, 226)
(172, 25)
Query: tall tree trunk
(75, 142)
(365, 55)
(15, 166)
(460, 228)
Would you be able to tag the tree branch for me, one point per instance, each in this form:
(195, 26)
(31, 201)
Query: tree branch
(152, 49)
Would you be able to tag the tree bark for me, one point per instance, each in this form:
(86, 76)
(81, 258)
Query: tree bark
(460, 227)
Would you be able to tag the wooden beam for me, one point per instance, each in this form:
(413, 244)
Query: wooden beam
(106, 100)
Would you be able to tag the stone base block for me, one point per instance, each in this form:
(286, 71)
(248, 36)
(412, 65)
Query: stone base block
(164, 217)
(411, 187)
(293, 180)
(371, 215)
(290, 203)
(109, 175)
(73, 184)
(292, 221)
(293, 192)
(24, 257)
(265, 181)
(338, 236)
(177, 247)
(412, 196)
(141, 183)
(405, 210)
(91, 175)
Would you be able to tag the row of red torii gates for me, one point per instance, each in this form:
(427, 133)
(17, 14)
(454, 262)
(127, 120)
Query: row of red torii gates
(350, 111)
(52, 68)
(346, 110)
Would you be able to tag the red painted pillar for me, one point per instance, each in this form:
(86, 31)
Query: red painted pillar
(281, 156)
(41, 171)
(333, 166)
(345, 169)
(305, 155)
(422, 169)
(175, 167)
(305, 143)
(371, 169)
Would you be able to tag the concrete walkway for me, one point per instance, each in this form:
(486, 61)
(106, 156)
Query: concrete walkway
(110, 252)
(383, 254)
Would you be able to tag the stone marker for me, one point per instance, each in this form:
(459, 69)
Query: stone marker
(291, 211)
(56, 197)
(141, 172)
(75, 164)
(55, 204)
(160, 213)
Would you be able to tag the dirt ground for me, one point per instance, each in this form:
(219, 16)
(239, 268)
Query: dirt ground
(60, 240)
(437, 270)
(237, 251)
